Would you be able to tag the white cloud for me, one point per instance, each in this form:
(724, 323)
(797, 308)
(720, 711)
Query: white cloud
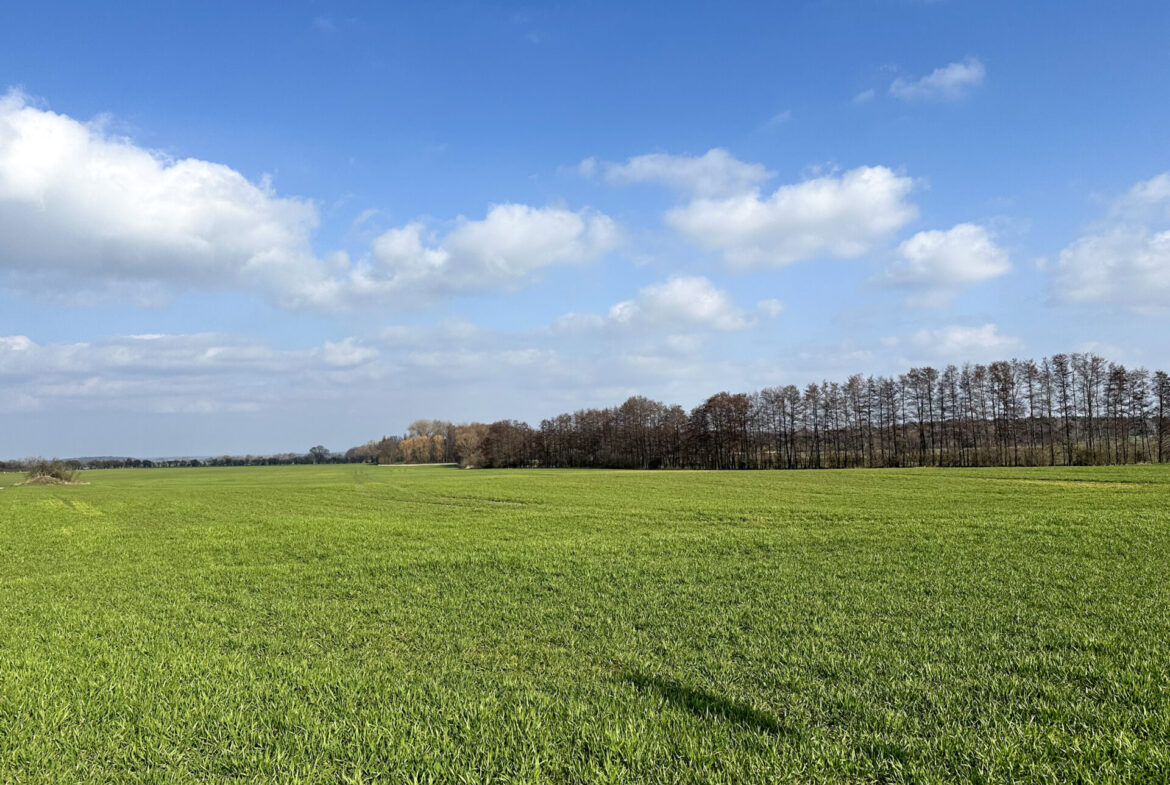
(770, 307)
(864, 97)
(347, 353)
(941, 262)
(716, 173)
(949, 83)
(588, 167)
(1123, 259)
(73, 198)
(10, 344)
(85, 212)
(447, 332)
(843, 217)
(957, 343)
(682, 300)
(508, 245)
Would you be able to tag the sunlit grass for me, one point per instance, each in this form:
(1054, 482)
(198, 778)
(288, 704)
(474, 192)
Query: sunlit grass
(343, 623)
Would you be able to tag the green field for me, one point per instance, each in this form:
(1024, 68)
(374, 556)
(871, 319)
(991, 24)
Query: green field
(358, 624)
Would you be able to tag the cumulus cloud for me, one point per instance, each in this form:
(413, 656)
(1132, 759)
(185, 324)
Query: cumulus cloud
(949, 83)
(958, 343)
(81, 208)
(508, 245)
(682, 300)
(1124, 259)
(74, 198)
(716, 173)
(939, 263)
(832, 216)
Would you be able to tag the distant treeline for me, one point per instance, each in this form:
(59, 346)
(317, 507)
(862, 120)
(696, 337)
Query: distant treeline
(318, 454)
(1073, 409)
(1068, 409)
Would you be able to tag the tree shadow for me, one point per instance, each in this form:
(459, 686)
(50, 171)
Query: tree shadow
(706, 704)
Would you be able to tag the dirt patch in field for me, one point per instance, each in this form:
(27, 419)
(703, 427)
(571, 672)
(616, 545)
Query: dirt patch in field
(49, 481)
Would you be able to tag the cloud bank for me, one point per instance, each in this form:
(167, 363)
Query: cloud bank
(1124, 259)
(82, 209)
(841, 216)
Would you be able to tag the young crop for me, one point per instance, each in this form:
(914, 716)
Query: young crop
(336, 623)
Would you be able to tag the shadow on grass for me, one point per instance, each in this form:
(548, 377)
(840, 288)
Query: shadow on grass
(706, 704)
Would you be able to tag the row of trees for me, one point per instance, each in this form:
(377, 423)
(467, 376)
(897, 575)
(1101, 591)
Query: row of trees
(1068, 409)
(318, 454)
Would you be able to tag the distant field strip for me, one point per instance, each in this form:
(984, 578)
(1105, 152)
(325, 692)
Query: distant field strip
(362, 624)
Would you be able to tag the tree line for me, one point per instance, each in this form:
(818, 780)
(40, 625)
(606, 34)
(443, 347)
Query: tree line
(1068, 409)
(317, 454)
(1065, 410)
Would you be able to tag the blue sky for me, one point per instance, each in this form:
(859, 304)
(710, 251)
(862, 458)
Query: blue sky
(239, 227)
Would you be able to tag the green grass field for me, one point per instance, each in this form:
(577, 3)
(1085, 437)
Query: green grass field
(358, 624)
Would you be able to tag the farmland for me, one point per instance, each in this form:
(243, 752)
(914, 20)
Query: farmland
(358, 623)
